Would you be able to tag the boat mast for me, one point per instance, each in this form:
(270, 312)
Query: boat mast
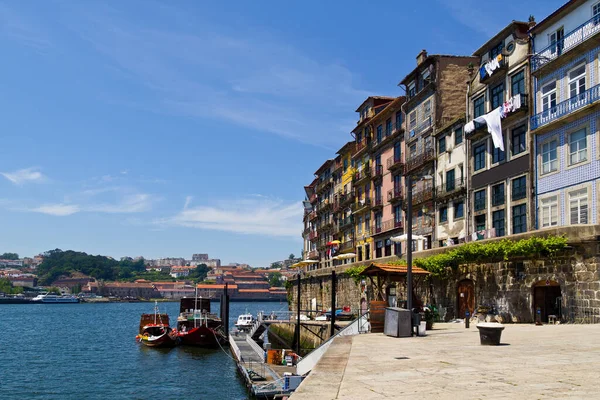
(195, 305)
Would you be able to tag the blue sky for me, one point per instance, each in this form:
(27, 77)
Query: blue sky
(164, 129)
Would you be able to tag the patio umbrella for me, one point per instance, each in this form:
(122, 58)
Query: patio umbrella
(303, 263)
(334, 242)
(404, 238)
(344, 256)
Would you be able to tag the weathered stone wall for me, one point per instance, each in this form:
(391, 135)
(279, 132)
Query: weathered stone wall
(508, 286)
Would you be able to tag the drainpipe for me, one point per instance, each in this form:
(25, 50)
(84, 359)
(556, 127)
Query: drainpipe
(468, 166)
(406, 220)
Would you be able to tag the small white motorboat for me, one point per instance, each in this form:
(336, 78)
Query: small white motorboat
(244, 321)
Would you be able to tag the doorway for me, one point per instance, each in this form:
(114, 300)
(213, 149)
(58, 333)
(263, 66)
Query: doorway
(465, 294)
(546, 298)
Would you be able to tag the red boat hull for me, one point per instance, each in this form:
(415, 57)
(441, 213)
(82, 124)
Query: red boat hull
(200, 336)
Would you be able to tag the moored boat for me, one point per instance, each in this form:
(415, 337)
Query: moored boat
(244, 321)
(155, 330)
(196, 326)
(47, 298)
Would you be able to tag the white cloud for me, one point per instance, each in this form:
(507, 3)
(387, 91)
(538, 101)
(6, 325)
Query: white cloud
(254, 216)
(24, 175)
(59, 210)
(134, 203)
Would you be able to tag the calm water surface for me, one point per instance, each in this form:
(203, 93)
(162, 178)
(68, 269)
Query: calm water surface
(88, 351)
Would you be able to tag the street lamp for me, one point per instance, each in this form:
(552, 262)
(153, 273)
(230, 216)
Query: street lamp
(409, 280)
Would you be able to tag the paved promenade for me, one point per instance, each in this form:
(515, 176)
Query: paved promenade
(534, 362)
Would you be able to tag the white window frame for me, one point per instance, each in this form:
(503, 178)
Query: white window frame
(426, 109)
(547, 96)
(579, 151)
(577, 80)
(412, 120)
(579, 198)
(597, 13)
(549, 211)
(412, 86)
(554, 161)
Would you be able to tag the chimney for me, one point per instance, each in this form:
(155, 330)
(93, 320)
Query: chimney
(421, 57)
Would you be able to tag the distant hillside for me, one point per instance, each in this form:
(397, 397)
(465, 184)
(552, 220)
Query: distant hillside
(63, 263)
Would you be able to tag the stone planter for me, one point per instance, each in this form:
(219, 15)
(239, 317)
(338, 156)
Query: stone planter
(489, 333)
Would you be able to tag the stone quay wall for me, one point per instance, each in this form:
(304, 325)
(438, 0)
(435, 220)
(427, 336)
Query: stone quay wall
(510, 287)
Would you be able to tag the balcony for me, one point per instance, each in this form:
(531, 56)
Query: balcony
(363, 234)
(312, 215)
(326, 227)
(363, 173)
(566, 107)
(377, 202)
(361, 147)
(419, 160)
(570, 41)
(394, 195)
(347, 245)
(361, 205)
(395, 131)
(421, 128)
(450, 188)
(387, 226)
(377, 172)
(325, 206)
(394, 163)
(312, 235)
(313, 255)
(324, 184)
(422, 195)
(313, 198)
(503, 67)
(345, 199)
(345, 223)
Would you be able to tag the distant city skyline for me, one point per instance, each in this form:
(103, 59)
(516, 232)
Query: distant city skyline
(143, 128)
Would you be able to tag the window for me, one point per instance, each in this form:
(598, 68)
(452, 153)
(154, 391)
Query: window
(497, 94)
(458, 136)
(425, 75)
(398, 249)
(498, 155)
(397, 214)
(427, 108)
(345, 164)
(459, 209)
(413, 150)
(498, 196)
(519, 188)
(519, 218)
(442, 144)
(517, 83)
(549, 157)
(443, 214)
(450, 181)
(578, 207)
(378, 248)
(412, 89)
(479, 156)
(496, 50)
(379, 133)
(412, 123)
(577, 147)
(388, 247)
(388, 127)
(577, 83)
(498, 222)
(397, 152)
(518, 140)
(549, 97)
(549, 211)
(398, 120)
(397, 182)
(479, 202)
(480, 222)
(359, 136)
(596, 13)
(479, 106)
(556, 40)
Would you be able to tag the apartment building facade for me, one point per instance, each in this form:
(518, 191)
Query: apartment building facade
(324, 209)
(435, 97)
(342, 204)
(565, 118)
(387, 148)
(361, 181)
(501, 181)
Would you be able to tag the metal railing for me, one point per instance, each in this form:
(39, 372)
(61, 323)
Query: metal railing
(395, 194)
(565, 107)
(422, 127)
(361, 204)
(450, 187)
(388, 225)
(377, 171)
(360, 146)
(377, 201)
(347, 245)
(345, 222)
(257, 349)
(419, 159)
(358, 326)
(394, 162)
(313, 235)
(571, 40)
(313, 254)
(362, 173)
(234, 347)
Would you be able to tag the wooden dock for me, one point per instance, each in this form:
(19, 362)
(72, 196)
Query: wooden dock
(262, 379)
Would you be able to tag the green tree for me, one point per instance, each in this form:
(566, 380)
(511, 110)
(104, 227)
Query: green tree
(292, 256)
(275, 279)
(199, 273)
(275, 265)
(7, 287)
(9, 256)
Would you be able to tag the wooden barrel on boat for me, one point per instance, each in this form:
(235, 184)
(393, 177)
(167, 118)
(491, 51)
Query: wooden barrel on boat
(377, 315)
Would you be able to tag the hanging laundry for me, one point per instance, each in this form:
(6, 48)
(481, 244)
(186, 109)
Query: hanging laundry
(490, 66)
(516, 102)
(469, 127)
(482, 72)
(474, 236)
(495, 128)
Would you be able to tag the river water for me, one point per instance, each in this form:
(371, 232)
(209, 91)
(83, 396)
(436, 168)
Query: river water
(88, 351)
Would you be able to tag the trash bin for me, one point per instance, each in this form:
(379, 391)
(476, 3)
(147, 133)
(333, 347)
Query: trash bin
(397, 322)
(489, 333)
(422, 328)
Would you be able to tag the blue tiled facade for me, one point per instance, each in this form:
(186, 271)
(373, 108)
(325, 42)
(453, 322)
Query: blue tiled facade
(589, 171)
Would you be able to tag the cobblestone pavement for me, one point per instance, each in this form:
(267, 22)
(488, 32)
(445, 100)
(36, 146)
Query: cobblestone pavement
(533, 362)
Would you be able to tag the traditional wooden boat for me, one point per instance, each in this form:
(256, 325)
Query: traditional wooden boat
(155, 330)
(196, 326)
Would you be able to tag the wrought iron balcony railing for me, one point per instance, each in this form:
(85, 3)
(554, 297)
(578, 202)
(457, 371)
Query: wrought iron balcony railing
(422, 195)
(570, 41)
(394, 163)
(566, 107)
(347, 245)
(345, 223)
(378, 171)
(312, 235)
(387, 225)
(503, 66)
(313, 255)
(391, 133)
(395, 194)
(361, 147)
(450, 187)
(361, 204)
(360, 174)
(422, 127)
(419, 159)
(312, 215)
(377, 201)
